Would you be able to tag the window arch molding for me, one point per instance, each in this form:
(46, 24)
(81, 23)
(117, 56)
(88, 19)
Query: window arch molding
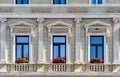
(59, 28)
(21, 28)
(97, 28)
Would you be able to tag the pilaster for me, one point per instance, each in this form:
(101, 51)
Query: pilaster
(40, 40)
(3, 40)
(116, 40)
(78, 40)
(68, 47)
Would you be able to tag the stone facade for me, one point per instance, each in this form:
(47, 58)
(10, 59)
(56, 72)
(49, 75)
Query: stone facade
(77, 20)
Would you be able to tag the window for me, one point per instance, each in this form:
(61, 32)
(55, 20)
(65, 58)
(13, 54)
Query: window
(22, 49)
(22, 1)
(59, 49)
(59, 1)
(97, 48)
(96, 1)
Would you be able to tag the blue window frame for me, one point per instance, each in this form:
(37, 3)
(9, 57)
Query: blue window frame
(22, 47)
(59, 47)
(22, 1)
(97, 47)
(59, 1)
(96, 1)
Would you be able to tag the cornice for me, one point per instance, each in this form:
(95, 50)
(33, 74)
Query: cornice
(59, 15)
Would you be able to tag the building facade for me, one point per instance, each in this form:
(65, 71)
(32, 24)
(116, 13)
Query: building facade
(78, 38)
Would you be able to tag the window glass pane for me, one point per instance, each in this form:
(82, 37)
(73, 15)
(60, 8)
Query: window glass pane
(93, 1)
(26, 51)
(62, 1)
(55, 1)
(99, 1)
(92, 51)
(19, 51)
(62, 51)
(96, 40)
(100, 51)
(25, 1)
(55, 51)
(18, 1)
(22, 39)
(59, 39)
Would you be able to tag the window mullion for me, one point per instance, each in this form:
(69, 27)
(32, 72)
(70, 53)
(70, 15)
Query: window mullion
(59, 50)
(59, 1)
(22, 51)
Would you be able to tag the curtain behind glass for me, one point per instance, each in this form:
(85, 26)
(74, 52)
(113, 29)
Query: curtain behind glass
(93, 1)
(62, 1)
(18, 1)
(25, 1)
(55, 1)
(99, 1)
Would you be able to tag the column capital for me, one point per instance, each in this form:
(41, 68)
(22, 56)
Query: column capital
(77, 20)
(116, 19)
(40, 20)
(3, 19)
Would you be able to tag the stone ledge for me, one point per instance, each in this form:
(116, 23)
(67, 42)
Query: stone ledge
(59, 74)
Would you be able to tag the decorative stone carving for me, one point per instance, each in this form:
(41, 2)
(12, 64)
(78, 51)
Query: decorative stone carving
(59, 30)
(116, 19)
(77, 20)
(40, 20)
(3, 19)
(6, 9)
(40, 9)
(59, 25)
(113, 9)
(21, 26)
(96, 30)
(77, 10)
(21, 30)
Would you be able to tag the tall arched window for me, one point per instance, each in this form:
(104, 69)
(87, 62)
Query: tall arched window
(22, 1)
(59, 1)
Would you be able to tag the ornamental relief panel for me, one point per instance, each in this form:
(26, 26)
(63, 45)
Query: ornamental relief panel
(77, 10)
(59, 25)
(59, 30)
(40, 9)
(113, 9)
(6, 9)
(97, 30)
(21, 26)
(21, 30)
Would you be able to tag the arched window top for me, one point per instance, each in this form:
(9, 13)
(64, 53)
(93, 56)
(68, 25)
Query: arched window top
(97, 1)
